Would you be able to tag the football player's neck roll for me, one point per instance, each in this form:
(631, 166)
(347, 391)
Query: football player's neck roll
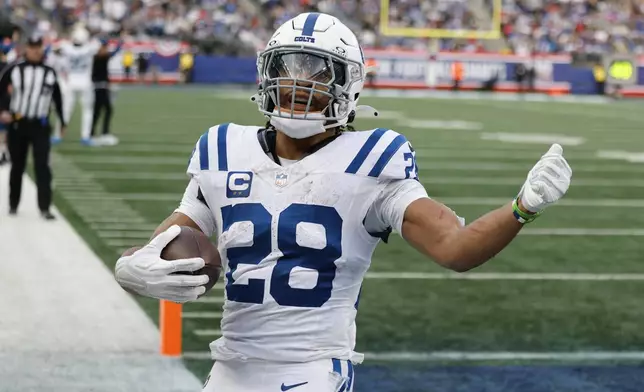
(295, 149)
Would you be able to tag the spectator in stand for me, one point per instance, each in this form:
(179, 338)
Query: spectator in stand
(242, 27)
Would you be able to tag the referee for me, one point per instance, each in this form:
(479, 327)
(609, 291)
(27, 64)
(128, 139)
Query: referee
(33, 86)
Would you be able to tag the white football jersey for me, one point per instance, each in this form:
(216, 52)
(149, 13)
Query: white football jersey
(59, 63)
(296, 241)
(80, 61)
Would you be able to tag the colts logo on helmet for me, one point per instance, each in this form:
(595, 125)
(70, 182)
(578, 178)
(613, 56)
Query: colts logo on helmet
(305, 39)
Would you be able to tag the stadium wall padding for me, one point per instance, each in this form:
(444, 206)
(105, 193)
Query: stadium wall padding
(211, 69)
(402, 69)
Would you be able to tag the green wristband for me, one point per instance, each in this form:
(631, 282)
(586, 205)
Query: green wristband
(521, 216)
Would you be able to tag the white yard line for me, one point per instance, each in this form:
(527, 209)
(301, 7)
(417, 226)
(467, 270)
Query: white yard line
(207, 332)
(484, 153)
(465, 201)
(176, 197)
(534, 138)
(171, 147)
(132, 160)
(584, 232)
(140, 234)
(113, 219)
(495, 181)
(490, 181)
(146, 176)
(123, 226)
(201, 315)
(504, 276)
(498, 201)
(145, 233)
(123, 243)
(505, 356)
(211, 300)
(476, 166)
(460, 356)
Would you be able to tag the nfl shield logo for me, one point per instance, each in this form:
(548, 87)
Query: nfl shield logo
(281, 179)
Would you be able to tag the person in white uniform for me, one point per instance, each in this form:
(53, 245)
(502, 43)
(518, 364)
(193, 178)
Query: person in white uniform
(298, 207)
(79, 54)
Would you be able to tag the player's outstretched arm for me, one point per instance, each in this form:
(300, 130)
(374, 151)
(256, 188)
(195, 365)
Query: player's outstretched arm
(434, 229)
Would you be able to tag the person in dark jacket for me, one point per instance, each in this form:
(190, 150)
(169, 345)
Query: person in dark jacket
(103, 99)
(4, 103)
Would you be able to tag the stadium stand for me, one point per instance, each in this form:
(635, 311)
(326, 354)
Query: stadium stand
(544, 26)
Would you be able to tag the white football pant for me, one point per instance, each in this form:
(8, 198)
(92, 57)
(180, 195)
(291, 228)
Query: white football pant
(324, 375)
(86, 94)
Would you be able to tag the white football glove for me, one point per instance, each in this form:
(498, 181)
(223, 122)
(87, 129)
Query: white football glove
(547, 182)
(146, 273)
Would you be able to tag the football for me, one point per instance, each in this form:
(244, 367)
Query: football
(192, 243)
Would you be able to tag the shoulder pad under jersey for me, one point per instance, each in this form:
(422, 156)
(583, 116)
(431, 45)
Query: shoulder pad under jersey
(385, 155)
(210, 152)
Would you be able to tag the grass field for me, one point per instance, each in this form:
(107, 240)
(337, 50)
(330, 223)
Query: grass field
(580, 286)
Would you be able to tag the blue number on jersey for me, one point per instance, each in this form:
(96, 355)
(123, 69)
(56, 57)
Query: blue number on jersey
(78, 63)
(253, 292)
(294, 255)
(411, 170)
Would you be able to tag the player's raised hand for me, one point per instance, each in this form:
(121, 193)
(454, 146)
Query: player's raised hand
(547, 182)
(146, 273)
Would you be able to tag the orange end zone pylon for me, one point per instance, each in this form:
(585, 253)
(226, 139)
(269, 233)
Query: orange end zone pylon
(170, 326)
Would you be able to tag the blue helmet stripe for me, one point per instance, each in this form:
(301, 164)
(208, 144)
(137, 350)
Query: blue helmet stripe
(309, 24)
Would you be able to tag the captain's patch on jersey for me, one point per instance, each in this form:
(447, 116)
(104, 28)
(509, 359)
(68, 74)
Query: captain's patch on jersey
(238, 184)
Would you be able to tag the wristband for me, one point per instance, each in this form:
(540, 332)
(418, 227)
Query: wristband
(521, 216)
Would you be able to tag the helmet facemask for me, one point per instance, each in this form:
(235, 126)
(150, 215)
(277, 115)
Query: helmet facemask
(306, 84)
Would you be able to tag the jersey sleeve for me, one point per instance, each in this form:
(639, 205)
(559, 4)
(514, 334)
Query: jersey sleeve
(397, 161)
(384, 154)
(396, 166)
(388, 210)
(196, 209)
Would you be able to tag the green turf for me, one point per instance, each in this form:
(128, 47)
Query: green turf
(159, 128)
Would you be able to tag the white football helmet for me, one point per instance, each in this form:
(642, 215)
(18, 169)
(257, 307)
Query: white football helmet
(310, 75)
(80, 36)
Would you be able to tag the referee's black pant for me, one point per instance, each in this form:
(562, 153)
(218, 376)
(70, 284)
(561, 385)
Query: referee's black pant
(23, 133)
(103, 100)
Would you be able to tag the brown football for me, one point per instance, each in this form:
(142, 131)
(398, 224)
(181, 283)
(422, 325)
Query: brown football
(192, 243)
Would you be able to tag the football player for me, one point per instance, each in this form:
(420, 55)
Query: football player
(298, 207)
(80, 56)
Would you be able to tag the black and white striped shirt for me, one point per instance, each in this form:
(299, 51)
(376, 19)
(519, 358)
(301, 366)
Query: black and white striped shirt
(33, 86)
